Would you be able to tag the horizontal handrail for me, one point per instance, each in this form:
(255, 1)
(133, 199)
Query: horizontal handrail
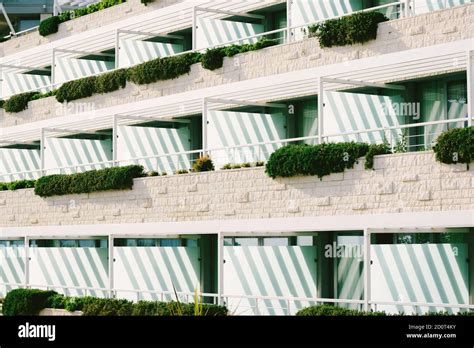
(288, 30)
(287, 299)
(110, 163)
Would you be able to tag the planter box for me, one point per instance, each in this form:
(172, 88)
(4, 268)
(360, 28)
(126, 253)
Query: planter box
(59, 312)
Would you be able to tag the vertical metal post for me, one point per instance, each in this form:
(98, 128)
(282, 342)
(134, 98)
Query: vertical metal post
(117, 48)
(289, 4)
(220, 267)
(194, 39)
(470, 87)
(111, 266)
(204, 126)
(367, 269)
(53, 68)
(114, 141)
(42, 148)
(7, 19)
(27, 261)
(320, 110)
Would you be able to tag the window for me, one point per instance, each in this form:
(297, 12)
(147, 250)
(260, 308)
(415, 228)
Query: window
(170, 242)
(276, 241)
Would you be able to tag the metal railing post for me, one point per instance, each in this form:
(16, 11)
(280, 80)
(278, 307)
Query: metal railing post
(470, 87)
(320, 110)
(367, 262)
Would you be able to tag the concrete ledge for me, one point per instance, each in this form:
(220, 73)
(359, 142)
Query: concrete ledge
(59, 313)
(244, 194)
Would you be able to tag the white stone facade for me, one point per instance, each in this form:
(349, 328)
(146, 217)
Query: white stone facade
(400, 183)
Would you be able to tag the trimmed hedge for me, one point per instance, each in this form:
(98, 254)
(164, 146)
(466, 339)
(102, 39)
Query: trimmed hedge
(330, 310)
(321, 159)
(76, 89)
(18, 102)
(163, 68)
(455, 146)
(213, 58)
(111, 81)
(32, 301)
(155, 70)
(16, 185)
(49, 26)
(117, 178)
(21, 302)
(359, 27)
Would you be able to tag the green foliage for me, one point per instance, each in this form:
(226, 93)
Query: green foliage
(455, 146)
(117, 178)
(16, 185)
(181, 171)
(111, 81)
(92, 306)
(49, 26)
(152, 173)
(76, 89)
(320, 160)
(162, 68)
(20, 302)
(259, 164)
(21, 184)
(213, 58)
(18, 102)
(374, 150)
(145, 2)
(203, 164)
(359, 27)
(330, 310)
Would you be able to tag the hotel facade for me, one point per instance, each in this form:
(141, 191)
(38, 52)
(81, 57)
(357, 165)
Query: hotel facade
(396, 238)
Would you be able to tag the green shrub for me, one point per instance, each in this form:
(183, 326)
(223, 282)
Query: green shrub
(21, 184)
(57, 301)
(21, 302)
(374, 150)
(152, 173)
(117, 178)
(203, 164)
(2, 103)
(110, 81)
(359, 27)
(3, 186)
(213, 58)
(49, 26)
(320, 160)
(162, 68)
(76, 89)
(226, 166)
(455, 146)
(181, 171)
(330, 310)
(259, 164)
(18, 102)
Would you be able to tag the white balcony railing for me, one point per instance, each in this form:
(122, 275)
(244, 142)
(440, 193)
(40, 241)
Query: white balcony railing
(410, 137)
(236, 304)
(291, 33)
